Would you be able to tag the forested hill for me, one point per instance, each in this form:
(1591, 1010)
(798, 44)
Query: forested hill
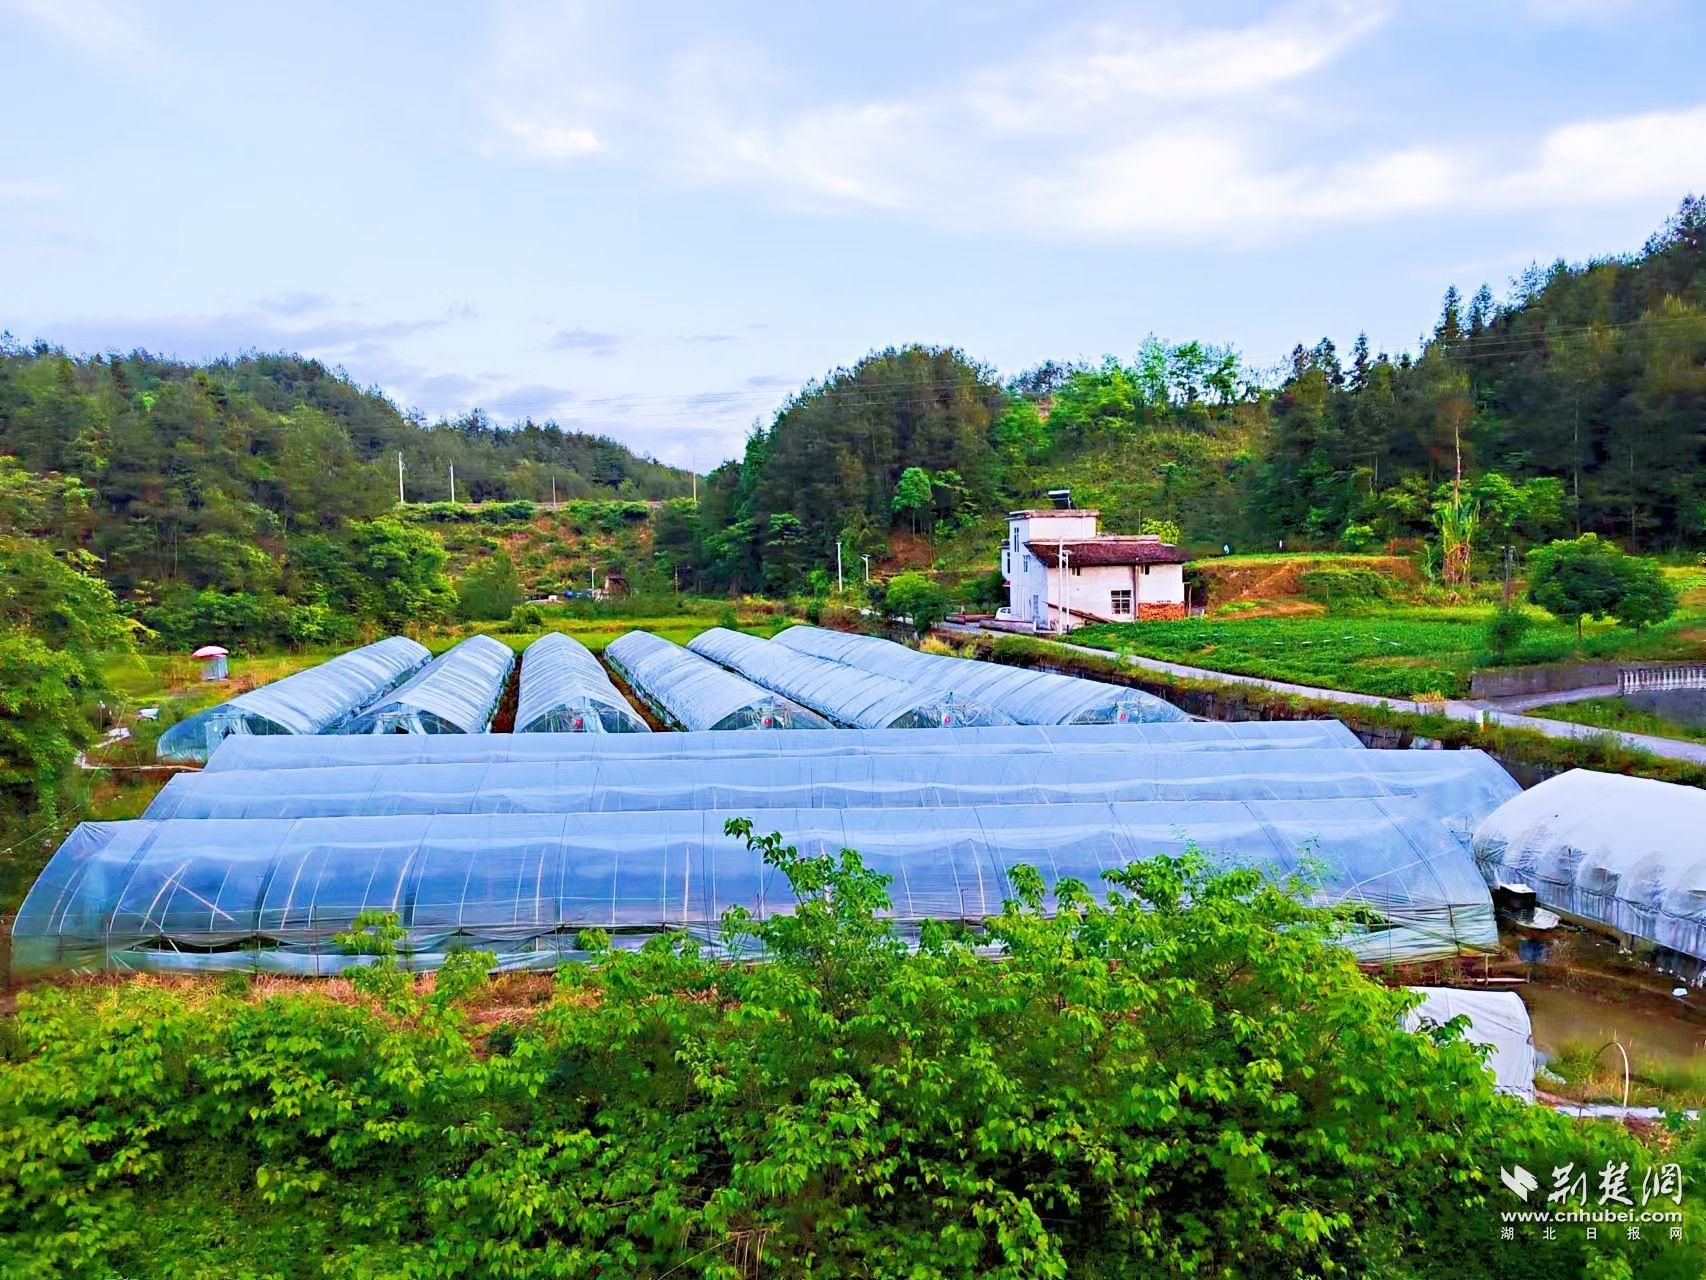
(1578, 402)
(251, 497)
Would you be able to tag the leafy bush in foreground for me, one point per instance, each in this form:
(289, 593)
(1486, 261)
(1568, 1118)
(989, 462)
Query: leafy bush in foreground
(1185, 1079)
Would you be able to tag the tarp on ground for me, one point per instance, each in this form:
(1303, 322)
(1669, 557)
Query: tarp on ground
(1498, 1019)
(1626, 852)
(1459, 788)
(564, 689)
(694, 693)
(270, 894)
(311, 701)
(1021, 694)
(457, 692)
(499, 748)
(848, 696)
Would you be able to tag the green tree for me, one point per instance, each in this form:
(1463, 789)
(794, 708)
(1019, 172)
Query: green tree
(490, 589)
(1576, 578)
(912, 495)
(1646, 597)
(914, 596)
(57, 622)
(399, 574)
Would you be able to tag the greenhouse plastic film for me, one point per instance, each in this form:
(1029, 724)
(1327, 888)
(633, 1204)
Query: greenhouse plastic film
(271, 894)
(498, 748)
(1626, 852)
(457, 692)
(847, 695)
(1498, 1019)
(312, 701)
(1459, 788)
(1023, 695)
(564, 689)
(695, 693)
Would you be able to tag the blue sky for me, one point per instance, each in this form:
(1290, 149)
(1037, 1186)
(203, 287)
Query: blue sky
(654, 220)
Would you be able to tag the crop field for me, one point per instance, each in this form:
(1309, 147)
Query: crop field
(1394, 653)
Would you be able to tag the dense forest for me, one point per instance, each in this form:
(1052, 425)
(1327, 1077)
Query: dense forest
(1576, 404)
(260, 490)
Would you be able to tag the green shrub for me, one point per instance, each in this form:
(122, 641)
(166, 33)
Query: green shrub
(518, 512)
(489, 590)
(526, 617)
(1189, 1076)
(1358, 537)
(1344, 584)
(1504, 633)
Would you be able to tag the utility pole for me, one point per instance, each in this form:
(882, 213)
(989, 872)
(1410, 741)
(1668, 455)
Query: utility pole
(452, 482)
(839, 586)
(400, 498)
(1065, 588)
(867, 560)
(553, 493)
(1510, 554)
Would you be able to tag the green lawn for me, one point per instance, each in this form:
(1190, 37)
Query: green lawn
(1393, 653)
(1614, 713)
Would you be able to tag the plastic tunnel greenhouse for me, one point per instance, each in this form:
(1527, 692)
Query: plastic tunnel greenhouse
(1023, 695)
(457, 692)
(270, 894)
(1627, 853)
(1459, 787)
(694, 693)
(1497, 1019)
(313, 701)
(500, 748)
(565, 690)
(847, 695)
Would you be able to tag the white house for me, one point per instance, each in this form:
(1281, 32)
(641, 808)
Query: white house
(1062, 573)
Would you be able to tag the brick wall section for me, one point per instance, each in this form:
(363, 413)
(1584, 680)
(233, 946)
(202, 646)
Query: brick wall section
(1159, 612)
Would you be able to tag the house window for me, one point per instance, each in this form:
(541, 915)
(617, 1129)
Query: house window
(1076, 571)
(1121, 601)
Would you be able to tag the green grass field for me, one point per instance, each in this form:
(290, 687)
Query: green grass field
(1614, 713)
(1401, 652)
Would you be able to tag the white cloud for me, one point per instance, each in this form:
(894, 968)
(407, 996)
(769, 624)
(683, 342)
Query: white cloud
(550, 141)
(108, 29)
(1657, 155)
(1159, 132)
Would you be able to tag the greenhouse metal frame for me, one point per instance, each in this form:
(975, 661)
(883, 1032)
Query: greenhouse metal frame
(1024, 695)
(1460, 788)
(1627, 853)
(565, 689)
(271, 894)
(457, 692)
(500, 748)
(695, 694)
(312, 701)
(848, 696)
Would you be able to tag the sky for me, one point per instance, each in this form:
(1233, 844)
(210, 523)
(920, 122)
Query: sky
(654, 221)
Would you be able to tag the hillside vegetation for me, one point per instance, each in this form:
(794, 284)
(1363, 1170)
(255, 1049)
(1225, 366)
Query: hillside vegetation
(1577, 403)
(252, 499)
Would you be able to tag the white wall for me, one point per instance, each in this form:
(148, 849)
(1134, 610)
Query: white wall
(1037, 594)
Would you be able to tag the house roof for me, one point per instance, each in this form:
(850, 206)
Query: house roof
(1112, 548)
(1053, 511)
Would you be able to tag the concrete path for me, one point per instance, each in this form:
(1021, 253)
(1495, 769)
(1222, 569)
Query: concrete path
(1528, 701)
(1474, 712)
